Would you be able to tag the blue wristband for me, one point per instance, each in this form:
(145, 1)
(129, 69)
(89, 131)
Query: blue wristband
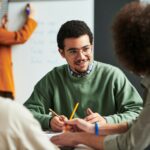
(96, 129)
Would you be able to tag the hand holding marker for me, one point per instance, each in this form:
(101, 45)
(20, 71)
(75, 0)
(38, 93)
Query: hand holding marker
(71, 116)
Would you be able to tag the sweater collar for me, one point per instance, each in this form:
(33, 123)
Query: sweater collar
(80, 75)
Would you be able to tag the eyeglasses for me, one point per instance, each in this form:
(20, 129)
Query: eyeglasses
(86, 50)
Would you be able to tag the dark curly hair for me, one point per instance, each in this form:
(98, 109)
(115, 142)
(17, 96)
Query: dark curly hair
(131, 33)
(75, 29)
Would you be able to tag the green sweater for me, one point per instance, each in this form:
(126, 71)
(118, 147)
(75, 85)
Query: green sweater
(105, 90)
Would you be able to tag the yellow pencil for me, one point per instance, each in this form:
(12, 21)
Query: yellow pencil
(72, 114)
(74, 110)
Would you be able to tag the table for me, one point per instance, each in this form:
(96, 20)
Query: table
(78, 147)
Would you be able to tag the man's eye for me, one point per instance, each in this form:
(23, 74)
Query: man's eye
(73, 52)
(86, 49)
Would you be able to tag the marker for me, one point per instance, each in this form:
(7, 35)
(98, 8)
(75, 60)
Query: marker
(28, 9)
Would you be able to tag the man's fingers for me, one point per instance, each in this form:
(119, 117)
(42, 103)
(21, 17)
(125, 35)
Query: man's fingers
(57, 124)
(63, 118)
(55, 139)
(93, 120)
(93, 115)
(89, 111)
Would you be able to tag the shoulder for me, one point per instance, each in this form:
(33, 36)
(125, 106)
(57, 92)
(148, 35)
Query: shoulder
(14, 113)
(18, 110)
(53, 75)
(60, 68)
(108, 69)
(56, 71)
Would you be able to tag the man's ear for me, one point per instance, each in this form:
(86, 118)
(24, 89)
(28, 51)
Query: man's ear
(61, 51)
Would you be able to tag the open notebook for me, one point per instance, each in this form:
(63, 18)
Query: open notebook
(51, 133)
(77, 147)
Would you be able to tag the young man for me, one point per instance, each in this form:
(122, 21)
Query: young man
(95, 85)
(131, 31)
(7, 39)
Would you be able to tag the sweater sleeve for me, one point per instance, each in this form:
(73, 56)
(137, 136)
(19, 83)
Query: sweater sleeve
(18, 37)
(127, 100)
(136, 137)
(39, 106)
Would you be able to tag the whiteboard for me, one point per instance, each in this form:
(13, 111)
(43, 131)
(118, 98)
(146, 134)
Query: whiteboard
(32, 60)
(147, 1)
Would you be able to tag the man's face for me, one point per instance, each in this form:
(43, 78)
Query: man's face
(78, 53)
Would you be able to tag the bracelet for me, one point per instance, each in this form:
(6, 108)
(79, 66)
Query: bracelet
(96, 129)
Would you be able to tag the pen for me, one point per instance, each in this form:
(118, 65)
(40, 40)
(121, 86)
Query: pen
(53, 112)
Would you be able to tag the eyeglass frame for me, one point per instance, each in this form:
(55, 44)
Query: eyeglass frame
(86, 50)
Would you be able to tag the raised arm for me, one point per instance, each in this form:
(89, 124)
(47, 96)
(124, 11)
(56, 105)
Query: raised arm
(17, 37)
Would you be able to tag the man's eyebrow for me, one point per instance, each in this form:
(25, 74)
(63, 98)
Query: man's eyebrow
(74, 49)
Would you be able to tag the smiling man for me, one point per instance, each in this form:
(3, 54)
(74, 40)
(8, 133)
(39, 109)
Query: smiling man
(95, 85)
(78, 53)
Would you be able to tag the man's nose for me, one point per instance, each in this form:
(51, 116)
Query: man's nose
(80, 54)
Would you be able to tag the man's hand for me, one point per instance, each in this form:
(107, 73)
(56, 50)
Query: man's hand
(74, 138)
(4, 21)
(57, 123)
(81, 125)
(65, 139)
(94, 117)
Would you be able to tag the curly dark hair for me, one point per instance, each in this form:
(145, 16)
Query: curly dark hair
(75, 29)
(131, 33)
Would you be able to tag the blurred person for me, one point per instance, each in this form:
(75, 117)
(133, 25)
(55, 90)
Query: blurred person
(19, 130)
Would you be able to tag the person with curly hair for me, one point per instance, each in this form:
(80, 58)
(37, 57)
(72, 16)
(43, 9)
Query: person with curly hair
(131, 33)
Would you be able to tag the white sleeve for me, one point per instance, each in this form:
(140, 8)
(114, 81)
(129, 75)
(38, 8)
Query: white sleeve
(28, 131)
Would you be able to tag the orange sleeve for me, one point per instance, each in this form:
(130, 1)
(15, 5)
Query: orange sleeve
(18, 37)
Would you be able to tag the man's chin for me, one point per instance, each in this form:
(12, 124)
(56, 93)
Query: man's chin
(81, 70)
